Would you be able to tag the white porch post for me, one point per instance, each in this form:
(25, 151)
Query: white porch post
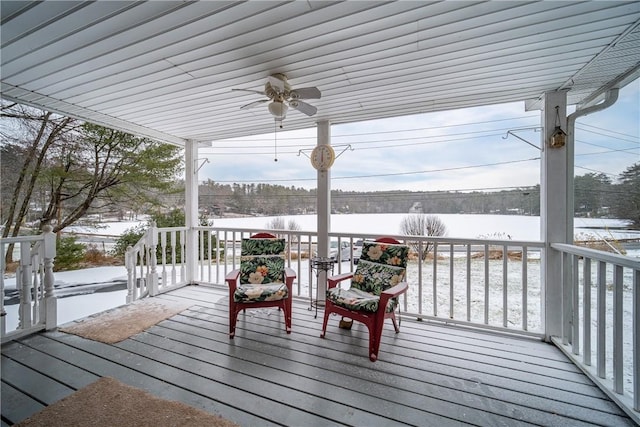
(50, 301)
(324, 207)
(554, 211)
(191, 209)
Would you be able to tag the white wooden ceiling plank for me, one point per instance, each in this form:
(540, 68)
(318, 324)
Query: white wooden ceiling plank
(276, 31)
(383, 78)
(112, 92)
(194, 86)
(459, 58)
(200, 101)
(57, 106)
(76, 41)
(483, 83)
(328, 37)
(533, 18)
(257, 59)
(358, 115)
(46, 41)
(216, 71)
(517, 72)
(114, 34)
(164, 55)
(424, 69)
(30, 17)
(445, 53)
(205, 102)
(517, 35)
(470, 53)
(144, 58)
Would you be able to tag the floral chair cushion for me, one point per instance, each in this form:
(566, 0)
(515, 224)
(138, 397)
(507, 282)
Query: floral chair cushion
(385, 253)
(261, 271)
(266, 246)
(374, 278)
(357, 300)
(380, 267)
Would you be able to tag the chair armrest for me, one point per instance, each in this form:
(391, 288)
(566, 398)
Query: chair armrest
(392, 292)
(333, 281)
(232, 278)
(289, 277)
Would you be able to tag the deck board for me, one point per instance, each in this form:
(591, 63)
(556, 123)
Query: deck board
(429, 374)
(443, 383)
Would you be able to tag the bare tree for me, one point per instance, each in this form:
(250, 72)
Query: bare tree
(75, 167)
(33, 132)
(278, 223)
(422, 225)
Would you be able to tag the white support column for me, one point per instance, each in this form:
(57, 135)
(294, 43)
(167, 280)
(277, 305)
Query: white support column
(324, 207)
(50, 301)
(554, 197)
(191, 209)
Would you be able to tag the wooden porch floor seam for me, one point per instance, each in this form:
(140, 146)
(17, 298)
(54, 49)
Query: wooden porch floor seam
(427, 375)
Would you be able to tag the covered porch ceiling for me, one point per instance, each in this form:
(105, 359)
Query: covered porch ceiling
(165, 69)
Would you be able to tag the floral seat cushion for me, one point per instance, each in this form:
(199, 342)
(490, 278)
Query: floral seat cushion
(256, 293)
(261, 271)
(357, 300)
(381, 267)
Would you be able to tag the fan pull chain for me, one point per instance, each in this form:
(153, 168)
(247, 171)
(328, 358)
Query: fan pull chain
(275, 140)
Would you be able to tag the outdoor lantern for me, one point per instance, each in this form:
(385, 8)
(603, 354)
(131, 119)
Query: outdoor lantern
(558, 137)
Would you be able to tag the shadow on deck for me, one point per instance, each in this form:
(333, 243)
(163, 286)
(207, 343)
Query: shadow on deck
(428, 375)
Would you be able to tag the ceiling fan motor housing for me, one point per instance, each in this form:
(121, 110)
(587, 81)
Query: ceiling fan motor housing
(282, 96)
(273, 92)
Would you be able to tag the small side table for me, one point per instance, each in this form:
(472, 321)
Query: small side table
(319, 264)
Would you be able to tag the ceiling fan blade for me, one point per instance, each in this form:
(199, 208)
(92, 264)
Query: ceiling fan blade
(277, 83)
(305, 93)
(303, 107)
(259, 92)
(254, 103)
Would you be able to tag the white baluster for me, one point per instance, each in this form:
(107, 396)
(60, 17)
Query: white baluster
(173, 257)
(152, 244)
(129, 263)
(25, 285)
(163, 248)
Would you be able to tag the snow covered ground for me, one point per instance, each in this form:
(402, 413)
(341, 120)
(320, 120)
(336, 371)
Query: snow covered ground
(94, 290)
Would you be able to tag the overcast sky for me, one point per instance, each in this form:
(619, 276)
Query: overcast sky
(464, 149)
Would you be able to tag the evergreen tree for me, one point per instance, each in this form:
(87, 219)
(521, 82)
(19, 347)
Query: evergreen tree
(627, 205)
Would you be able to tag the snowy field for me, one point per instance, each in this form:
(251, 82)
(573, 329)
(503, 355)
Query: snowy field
(458, 225)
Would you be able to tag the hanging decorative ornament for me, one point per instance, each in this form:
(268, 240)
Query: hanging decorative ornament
(558, 138)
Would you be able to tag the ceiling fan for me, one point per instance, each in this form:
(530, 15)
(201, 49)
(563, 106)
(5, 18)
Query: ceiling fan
(281, 96)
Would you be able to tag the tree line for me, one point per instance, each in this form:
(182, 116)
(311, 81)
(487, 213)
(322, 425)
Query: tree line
(595, 195)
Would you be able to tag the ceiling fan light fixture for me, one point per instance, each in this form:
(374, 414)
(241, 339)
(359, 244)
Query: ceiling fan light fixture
(278, 109)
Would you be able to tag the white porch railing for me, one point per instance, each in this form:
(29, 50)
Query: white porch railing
(601, 320)
(491, 284)
(483, 283)
(144, 276)
(34, 283)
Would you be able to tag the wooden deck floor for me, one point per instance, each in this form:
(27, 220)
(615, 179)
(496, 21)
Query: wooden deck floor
(428, 375)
